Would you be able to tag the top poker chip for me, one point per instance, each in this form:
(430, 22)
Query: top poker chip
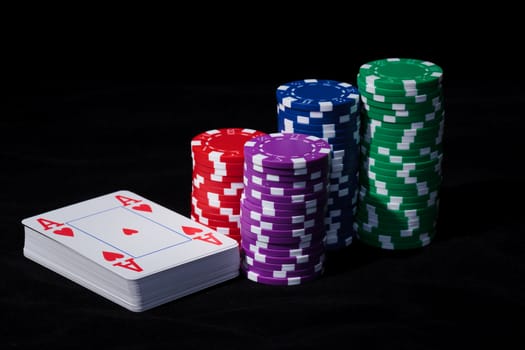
(287, 151)
(317, 95)
(222, 145)
(401, 73)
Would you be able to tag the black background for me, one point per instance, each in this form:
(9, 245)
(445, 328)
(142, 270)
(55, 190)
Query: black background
(90, 114)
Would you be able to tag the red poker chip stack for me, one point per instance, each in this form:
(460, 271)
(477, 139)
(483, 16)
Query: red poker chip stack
(217, 180)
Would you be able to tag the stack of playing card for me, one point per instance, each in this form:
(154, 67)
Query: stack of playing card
(130, 250)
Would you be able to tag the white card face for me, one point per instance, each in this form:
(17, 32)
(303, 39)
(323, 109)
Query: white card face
(129, 234)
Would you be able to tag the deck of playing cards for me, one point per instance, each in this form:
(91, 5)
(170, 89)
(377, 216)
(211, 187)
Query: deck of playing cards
(130, 250)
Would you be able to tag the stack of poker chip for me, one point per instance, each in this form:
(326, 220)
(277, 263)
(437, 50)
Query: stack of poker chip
(283, 208)
(218, 161)
(330, 110)
(401, 145)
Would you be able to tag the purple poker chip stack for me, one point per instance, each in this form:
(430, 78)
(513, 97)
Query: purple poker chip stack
(329, 110)
(283, 208)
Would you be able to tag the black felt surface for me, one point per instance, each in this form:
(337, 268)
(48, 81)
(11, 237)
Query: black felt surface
(70, 133)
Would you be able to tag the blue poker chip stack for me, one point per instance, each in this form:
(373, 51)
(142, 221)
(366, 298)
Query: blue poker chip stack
(328, 109)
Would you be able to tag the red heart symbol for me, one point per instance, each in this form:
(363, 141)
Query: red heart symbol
(111, 256)
(129, 231)
(66, 231)
(190, 230)
(142, 207)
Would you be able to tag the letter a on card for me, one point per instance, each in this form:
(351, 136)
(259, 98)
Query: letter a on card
(126, 200)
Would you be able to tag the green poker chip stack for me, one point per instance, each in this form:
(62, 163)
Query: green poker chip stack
(401, 152)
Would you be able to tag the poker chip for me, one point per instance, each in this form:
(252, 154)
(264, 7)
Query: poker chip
(281, 233)
(283, 274)
(294, 181)
(394, 230)
(415, 99)
(431, 105)
(318, 248)
(222, 145)
(217, 194)
(285, 281)
(231, 204)
(199, 168)
(403, 116)
(316, 203)
(287, 151)
(317, 95)
(271, 223)
(320, 116)
(233, 232)
(317, 122)
(413, 170)
(292, 242)
(323, 130)
(405, 92)
(285, 219)
(217, 180)
(214, 216)
(283, 207)
(401, 153)
(285, 247)
(287, 212)
(341, 128)
(295, 175)
(410, 129)
(288, 189)
(225, 189)
(231, 227)
(215, 210)
(253, 193)
(297, 259)
(329, 110)
(385, 156)
(385, 242)
(249, 261)
(400, 74)
(228, 173)
(415, 189)
(387, 149)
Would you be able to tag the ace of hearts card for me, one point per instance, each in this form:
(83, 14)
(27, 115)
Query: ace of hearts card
(123, 241)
